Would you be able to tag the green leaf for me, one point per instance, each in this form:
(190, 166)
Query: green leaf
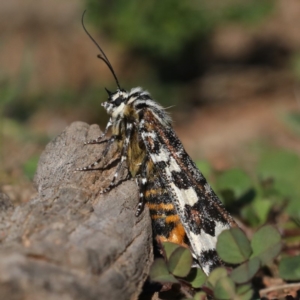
(196, 277)
(234, 180)
(200, 296)
(262, 209)
(160, 273)
(215, 275)
(169, 248)
(233, 246)
(278, 165)
(242, 289)
(256, 213)
(224, 288)
(246, 271)
(283, 167)
(246, 296)
(266, 244)
(180, 262)
(248, 214)
(293, 208)
(289, 268)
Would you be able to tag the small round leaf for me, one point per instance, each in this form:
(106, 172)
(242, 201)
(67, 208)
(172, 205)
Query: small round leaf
(224, 289)
(246, 271)
(196, 277)
(266, 244)
(180, 262)
(169, 248)
(233, 246)
(160, 273)
(261, 208)
(215, 275)
(246, 296)
(289, 268)
(242, 289)
(200, 296)
(234, 180)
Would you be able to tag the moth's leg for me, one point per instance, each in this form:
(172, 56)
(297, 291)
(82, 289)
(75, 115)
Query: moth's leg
(110, 141)
(99, 140)
(141, 181)
(124, 151)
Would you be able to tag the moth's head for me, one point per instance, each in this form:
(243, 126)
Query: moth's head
(116, 102)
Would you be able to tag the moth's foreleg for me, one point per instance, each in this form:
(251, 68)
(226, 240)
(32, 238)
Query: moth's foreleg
(99, 140)
(110, 141)
(141, 181)
(124, 152)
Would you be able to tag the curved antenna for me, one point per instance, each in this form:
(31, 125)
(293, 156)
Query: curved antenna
(102, 56)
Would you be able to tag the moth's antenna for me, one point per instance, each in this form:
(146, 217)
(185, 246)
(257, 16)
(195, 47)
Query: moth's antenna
(102, 56)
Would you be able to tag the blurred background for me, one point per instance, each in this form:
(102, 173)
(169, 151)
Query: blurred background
(228, 70)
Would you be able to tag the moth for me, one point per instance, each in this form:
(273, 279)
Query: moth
(183, 207)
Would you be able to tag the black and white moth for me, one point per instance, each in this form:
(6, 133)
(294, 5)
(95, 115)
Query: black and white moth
(183, 207)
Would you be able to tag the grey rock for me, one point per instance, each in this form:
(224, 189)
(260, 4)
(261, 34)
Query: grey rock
(70, 241)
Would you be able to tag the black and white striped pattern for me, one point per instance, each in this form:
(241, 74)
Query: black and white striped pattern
(155, 156)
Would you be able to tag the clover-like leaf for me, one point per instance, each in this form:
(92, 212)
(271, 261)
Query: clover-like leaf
(200, 296)
(169, 248)
(266, 244)
(261, 208)
(289, 268)
(196, 277)
(242, 289)
(246, 296)
(224, 288)
(245, 271)
(180, 262)
(215, 275)
(159, 272)
(234, 180)
(283, 167)
(233, 246)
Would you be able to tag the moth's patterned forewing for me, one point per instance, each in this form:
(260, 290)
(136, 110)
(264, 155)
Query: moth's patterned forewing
(183, 207)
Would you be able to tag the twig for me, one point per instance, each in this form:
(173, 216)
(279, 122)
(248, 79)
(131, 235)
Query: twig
(265, 291)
